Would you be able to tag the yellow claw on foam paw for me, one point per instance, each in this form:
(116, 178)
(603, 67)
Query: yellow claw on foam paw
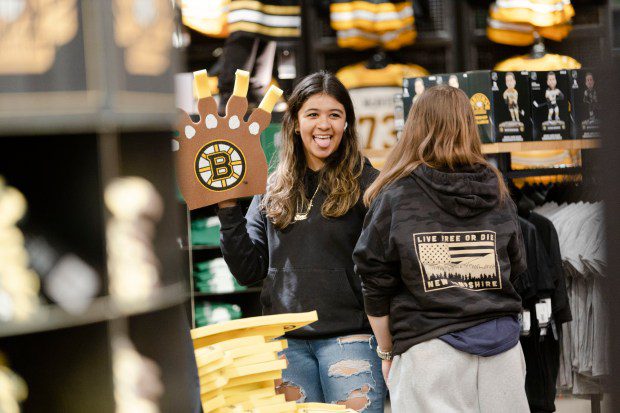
(270, 99)
(242, 82)
(201, 84)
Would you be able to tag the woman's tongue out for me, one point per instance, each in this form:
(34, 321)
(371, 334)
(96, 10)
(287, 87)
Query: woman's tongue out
(322, 141)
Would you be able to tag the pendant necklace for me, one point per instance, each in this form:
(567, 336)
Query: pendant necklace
(300, 216)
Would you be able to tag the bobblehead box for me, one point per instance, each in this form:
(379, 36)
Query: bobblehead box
(412, 89)
(478, 88)
(550, 94)
(512, 106)
(584, 104)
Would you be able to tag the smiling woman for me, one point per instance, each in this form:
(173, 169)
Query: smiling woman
(298, 239)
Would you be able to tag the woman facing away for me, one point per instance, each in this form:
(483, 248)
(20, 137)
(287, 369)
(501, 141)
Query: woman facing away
(299, 238)
(440, 248)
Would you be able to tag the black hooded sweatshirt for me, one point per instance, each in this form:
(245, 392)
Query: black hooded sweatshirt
(438, 254)
(306, 266)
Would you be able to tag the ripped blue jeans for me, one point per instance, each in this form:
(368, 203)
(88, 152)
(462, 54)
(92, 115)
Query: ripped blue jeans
(344, 370)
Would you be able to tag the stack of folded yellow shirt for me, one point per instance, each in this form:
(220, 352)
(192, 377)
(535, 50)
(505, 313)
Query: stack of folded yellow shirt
(238, 363)
(514, 22)
(363, 24)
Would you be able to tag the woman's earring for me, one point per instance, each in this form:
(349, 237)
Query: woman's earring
(346, 124)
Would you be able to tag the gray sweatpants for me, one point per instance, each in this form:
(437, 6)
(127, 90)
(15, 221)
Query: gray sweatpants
(435, 377)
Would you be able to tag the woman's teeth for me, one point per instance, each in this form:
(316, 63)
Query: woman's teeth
(322, 140)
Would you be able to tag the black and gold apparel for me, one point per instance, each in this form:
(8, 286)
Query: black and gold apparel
(268, 19)
(206, 17)
(363, 24)
(372, 92)
(514, 22)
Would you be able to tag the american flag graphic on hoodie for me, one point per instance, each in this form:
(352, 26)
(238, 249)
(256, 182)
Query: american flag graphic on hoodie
(458, 259)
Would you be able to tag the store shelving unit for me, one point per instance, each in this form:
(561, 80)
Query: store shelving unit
(503, 147)
(247, 299)
(96, 113)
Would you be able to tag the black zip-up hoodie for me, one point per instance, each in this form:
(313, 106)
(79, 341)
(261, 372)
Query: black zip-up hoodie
(438, 252)
(307, 266)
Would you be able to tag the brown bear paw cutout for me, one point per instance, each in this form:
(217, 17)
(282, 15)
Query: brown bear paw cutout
(221, 158)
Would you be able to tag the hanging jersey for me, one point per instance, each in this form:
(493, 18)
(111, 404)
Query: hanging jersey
(522, 34)
(372, 16)
(361, 40)
(540, 13)
(363, 24)
(548, 158)
(547, 62)
(206, 17)
(269, 19)
(372, 92)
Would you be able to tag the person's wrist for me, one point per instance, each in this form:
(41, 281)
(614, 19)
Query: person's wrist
(384, 355)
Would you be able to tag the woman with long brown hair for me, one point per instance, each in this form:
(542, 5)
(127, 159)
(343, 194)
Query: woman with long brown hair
(298, 239)
(440, 248)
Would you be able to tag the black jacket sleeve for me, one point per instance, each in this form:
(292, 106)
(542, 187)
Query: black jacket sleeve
(376, 261)
(244, 242)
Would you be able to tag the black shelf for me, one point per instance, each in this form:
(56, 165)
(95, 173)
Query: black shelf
(525, 173)
(424, 40)
(52, 317)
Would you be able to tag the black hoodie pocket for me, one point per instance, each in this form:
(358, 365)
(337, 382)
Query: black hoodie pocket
(295, 290)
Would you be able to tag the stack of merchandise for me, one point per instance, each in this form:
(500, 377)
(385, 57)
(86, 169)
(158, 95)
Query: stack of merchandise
(137, 379)
(212, 313)
(544, 158)
(238, 363)
(13, 389)
(370, 23)
(215, 277)
(133, 266)
(515, 22)
(206, 231)
(19, 285)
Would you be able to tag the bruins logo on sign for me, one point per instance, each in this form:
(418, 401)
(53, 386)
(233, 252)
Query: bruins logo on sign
(220, 166)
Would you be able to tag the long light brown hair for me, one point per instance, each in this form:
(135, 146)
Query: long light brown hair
(440, 132)
(339, 177)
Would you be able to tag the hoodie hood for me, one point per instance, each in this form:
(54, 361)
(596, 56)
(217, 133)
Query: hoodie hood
(466, 193)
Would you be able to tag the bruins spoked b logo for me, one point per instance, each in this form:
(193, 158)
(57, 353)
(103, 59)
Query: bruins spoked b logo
(220, 165)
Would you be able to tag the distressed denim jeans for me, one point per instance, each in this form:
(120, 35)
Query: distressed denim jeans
(344, 370)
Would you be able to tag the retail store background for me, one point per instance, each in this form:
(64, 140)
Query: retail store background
(68, 130)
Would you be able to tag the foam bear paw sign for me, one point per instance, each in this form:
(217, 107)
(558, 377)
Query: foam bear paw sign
(220, 157)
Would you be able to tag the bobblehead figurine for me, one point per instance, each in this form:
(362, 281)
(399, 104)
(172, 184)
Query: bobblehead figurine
(590, 98)
(511, 98)
(552, 96)
(453, 81)
(220, 157)
(419, 88)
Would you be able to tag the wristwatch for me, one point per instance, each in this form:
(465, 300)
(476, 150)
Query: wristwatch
(384, 355)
